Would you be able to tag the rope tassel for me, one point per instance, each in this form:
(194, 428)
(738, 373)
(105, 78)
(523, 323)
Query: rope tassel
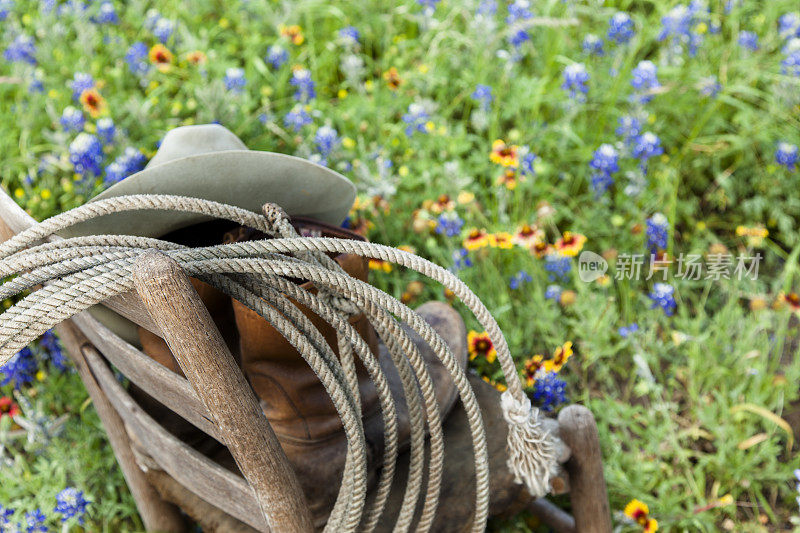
(531, 447)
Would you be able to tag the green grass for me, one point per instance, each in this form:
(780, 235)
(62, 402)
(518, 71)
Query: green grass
(676, 403)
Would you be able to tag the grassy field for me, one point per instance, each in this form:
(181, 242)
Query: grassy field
(500, 140)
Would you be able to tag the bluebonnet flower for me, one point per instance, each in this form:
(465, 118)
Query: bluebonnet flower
(646, 146)
(483, 95)
(81, 82)
(277, 56)
(429, 5)
(107, 14)
(163, 29)
(786, 155)
(106, 130)
(487, 7)
(5, 8)
(71, 503)
(605, 159)
(129, 162)
(553, 292)
(657, 232)
(620, 28)
(35, 85)
(350, 36)
(593, 45)
(680, 25)
(297, 118)
(789, 25)
(20, 369)
(518, 37)
(527, 160)
(627, 331)
(72, 119)
(558, 266)
(326, 139)
(644, 79)
(628, 128)
(575, 79)
(461, 260)
(235, 80)
(136, 58)
(549, 391)
(5, 517)
(449, 224)
(518, 279)
(663, 296)
(416, 119)
(86, 154)
(790, 65)
(748, 40)
(303, 84)
(600, 183)
(709, 86)
(34, 521)
(518, 10)
(21, 50)
(50, 343)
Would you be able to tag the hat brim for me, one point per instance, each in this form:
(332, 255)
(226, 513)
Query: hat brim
(243, 178)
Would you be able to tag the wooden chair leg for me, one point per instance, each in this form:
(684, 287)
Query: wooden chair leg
(585, 467)
(157, 514)
(202, 354)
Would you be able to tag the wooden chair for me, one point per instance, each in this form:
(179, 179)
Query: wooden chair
(260, 491)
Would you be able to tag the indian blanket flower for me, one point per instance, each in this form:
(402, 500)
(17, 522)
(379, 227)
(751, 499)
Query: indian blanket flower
(638, 512)
(81, 82)
(196, 57)
(748, 40)
(136, 58)
(93, 102)
(21, 50)
(234, 79)
(541, 249)
(575, 80)
(657, 232)
(72, 119)
(416, 119)
(7, 408)
(71, 503)
(560, 358)
(644, 79)
(531, 368)
(593, 45)
(504, 154)
(519, 279)
(620, 28)
(549, 391)
(570, 243)
(86, 154)
(475, 239)
(161, 57)
(380, 264)
(527, 235)
(508, 178)
(558, 266)
(442, 203)
(297, 118)
(663, 296)
(277, 56)
(294, 33)
(106, 130)
(449, 224)
(480, 345)
(483, 95)
(129, 162)
(792, 299)
(392, 77)
(305, 88)
(502, 240)
(786, 155)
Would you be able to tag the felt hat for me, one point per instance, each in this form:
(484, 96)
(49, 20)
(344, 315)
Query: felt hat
(209, 161)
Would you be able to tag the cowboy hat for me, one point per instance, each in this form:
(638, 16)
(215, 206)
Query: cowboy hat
(209, 161)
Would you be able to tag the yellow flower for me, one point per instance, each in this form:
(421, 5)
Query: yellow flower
(508, 178)
(476, 238)
(45, 194)
(479, 344)
(755, 235)
(532, 367)
(503, 154)
(465, 197)
(499, 386)
(380, 264)
(161, 57)
(528, 235)
(293, 32)
(502, 240)
(407, 248)
(570, 243)
(640, 513)
(560, 357)
(93, 102)
(196, 58)
(392, 78)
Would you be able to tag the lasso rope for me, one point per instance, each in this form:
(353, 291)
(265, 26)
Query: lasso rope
(79, 272)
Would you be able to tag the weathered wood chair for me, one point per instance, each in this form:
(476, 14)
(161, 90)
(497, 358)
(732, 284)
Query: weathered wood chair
(165, 475)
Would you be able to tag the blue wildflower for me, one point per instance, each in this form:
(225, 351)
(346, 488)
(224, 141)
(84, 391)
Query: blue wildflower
(303, 84)
(235, 80)
(600, 183)
(518, 37)
(790, 65)
(72, 119)
(748, 40)
(349, 36)
(627, 331)
(593, 45)
(277, 56)
(644, 79)
(136, 58)
(106, 130)
(486, 8)
(5, 517)
(518, 10)
(81, 82)
(297, 118)
(628, 128)
(549, 391)
(680, 25)
(163, 29)
(50, 343)
(461, 260)
(35, 85)
(620, 28)
(605, 159)
(558, 266)
(21, 50)
(657, 232)
(789, 25)
(416, 119)
(34, 521)
(646, 146)
(709, 86)
(553, 292)
(71, 503)
(786, 155)
(107, 14)
(663, 297)
(6, 6)
(86, 154)
(518, 279)
(326, 139)
(429, 5)
(20, 369)
(483, 95)
(129, 162)
(575, 79)
(449, 224)
(527, 160)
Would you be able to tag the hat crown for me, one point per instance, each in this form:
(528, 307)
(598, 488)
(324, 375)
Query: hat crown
(187, 141)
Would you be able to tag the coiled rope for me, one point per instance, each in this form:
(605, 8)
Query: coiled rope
(79, 272)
